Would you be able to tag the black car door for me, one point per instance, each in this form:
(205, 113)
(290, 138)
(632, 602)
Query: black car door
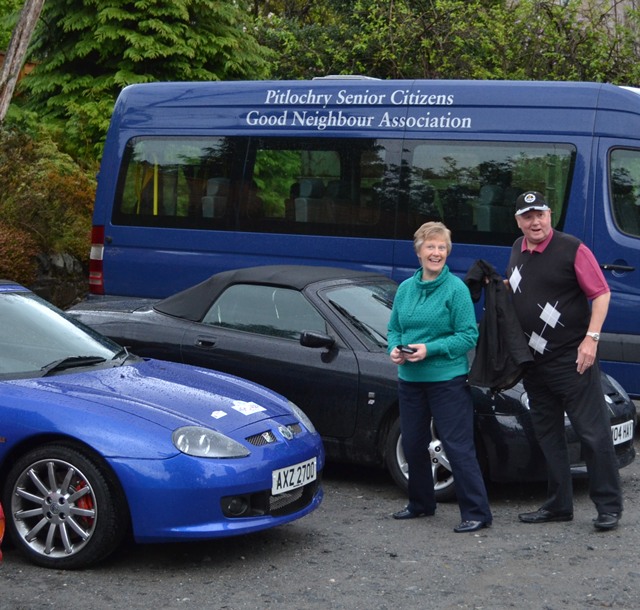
(253, 331)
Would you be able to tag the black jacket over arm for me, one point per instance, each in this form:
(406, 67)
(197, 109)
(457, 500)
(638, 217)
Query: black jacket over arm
(502, 353)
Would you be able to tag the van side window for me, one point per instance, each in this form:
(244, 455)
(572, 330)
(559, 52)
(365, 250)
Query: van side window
(323, 186)
(624, 178)
(163, 180)
(472, 186)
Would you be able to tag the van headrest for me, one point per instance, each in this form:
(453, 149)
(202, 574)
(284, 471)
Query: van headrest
(311, 187)
(338, 189)
(218, 186)
(491, 194)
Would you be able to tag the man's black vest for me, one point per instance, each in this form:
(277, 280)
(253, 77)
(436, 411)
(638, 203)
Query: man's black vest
(552, 309)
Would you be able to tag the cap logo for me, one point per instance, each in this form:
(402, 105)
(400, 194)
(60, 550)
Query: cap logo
(529, 198)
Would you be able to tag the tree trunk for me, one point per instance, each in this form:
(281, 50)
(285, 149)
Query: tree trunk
(17, 51)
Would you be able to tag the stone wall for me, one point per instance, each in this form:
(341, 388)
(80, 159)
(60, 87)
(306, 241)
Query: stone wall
(62, 279)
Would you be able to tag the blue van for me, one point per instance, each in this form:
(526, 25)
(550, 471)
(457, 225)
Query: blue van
(201, 177)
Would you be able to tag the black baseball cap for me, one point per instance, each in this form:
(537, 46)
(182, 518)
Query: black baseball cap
(531, 200)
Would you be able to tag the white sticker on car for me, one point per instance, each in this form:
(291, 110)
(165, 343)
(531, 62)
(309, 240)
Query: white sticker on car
(247, 408)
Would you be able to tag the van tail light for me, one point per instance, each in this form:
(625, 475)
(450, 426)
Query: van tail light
(96, 272)
(1, 529)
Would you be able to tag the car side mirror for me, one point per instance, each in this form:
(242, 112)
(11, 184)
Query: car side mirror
(312, 338)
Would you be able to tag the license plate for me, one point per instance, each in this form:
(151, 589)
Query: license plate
(622, 433)
(292, 477)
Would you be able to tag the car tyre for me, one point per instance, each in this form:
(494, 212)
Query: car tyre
(444, 485)
(63, 508)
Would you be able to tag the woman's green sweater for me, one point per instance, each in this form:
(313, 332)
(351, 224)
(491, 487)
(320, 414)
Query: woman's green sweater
(440, 314)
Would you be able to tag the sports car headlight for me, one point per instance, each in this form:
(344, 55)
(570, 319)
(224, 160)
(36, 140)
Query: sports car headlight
(299, 413)
(203, 442)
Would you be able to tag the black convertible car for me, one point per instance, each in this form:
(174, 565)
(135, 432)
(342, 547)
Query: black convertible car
(317, 335)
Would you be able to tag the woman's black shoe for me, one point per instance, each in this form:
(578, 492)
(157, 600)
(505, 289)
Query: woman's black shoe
(470, 526)
(407, 513)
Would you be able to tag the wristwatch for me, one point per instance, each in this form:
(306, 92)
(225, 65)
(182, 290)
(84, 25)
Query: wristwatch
(594, 336)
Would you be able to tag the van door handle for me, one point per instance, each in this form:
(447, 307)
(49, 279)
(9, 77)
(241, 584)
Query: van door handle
(205, 342)
(620, 268)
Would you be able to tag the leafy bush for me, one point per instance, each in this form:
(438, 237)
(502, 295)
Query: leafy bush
(44, 196)
(17, 255)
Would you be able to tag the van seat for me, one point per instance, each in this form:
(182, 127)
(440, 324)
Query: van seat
(492, 213)
(338, 195)
(214, 203)
(310, 205)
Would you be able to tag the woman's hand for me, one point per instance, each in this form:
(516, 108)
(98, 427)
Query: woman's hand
(419, 354)
(400, 357)
(397, 357)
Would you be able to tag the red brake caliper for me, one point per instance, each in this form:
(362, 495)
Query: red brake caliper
(86, 503)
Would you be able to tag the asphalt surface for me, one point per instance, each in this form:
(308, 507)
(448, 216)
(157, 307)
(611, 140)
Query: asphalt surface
(350, 554)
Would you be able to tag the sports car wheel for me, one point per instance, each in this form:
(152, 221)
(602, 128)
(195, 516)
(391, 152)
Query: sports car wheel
(444, 484)
(62, 509)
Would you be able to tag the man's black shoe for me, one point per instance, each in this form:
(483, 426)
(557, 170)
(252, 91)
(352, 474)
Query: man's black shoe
(407, 513)
(543, 515)
(606, 521)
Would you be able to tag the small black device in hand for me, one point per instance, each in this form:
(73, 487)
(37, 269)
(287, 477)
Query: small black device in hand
(407, 350)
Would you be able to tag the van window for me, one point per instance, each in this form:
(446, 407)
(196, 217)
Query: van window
(473, 186)
(624, 170)
(323, 186)
(338, 187)
(164, 181)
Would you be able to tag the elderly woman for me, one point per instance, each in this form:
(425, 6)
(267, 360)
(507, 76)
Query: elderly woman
(432, 327)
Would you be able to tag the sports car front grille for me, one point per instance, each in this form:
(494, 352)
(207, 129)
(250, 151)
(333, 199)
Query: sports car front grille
(265, 503)
(268, 437)
(262, 439)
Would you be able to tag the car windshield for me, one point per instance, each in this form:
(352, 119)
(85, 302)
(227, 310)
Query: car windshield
(36, 338)
(366, 307)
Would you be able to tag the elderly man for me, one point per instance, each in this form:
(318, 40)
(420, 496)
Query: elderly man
(561, 299)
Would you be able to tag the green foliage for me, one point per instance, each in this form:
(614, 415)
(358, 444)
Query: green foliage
(88, 50)
(579, 41)
(9, 13)
(474, 39)
(44, 195)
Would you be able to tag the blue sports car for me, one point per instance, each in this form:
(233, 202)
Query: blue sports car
(97, 444)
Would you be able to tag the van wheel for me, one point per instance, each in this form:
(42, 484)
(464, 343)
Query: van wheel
(62, 509)
(444, 484)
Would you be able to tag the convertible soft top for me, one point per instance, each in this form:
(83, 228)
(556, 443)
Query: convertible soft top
(193, 303)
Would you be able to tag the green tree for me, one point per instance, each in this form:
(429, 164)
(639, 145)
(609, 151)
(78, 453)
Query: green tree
(476, 39)
(9, 15)
(583, 40)
(88, 50)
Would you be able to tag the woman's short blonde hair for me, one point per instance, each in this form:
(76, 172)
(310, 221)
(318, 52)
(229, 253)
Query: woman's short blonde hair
(432, 230)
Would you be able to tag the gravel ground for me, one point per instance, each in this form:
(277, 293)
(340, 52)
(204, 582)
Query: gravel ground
(350, 554)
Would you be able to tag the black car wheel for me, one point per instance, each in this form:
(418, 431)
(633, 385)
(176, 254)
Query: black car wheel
(444, 484)
(62, 510)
